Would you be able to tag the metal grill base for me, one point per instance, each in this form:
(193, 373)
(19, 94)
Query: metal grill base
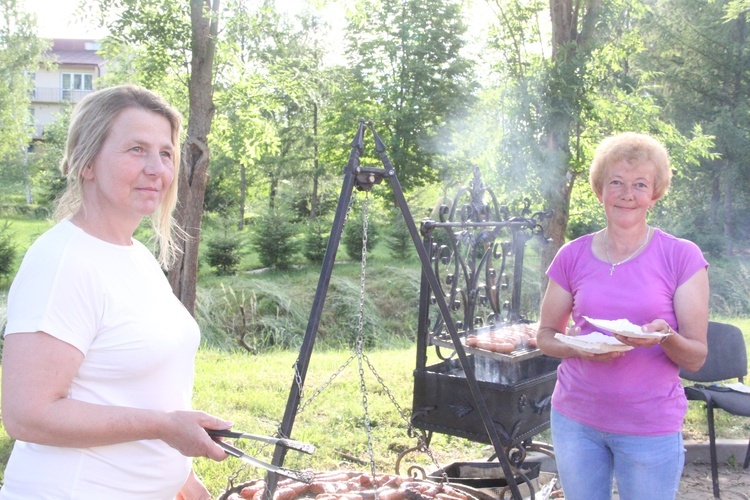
(520, 409)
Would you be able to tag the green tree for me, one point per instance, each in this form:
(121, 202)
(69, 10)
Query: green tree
(20, 55)
(8, 251)
(701, 67)
(293, 57)
(271, 97)
(316, 236)
(275, 240)
(735, 9)
(564, 90)
(223, 254)
(177, 40)
(46, 159)
(412, 78)
(242, 132)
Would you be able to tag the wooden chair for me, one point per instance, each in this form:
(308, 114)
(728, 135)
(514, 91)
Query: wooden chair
(726, 360)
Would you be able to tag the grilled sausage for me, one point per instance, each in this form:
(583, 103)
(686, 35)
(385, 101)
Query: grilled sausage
(393, 482)
(386, 493)
(284, 494)
(496, 346)
(251, 490)
(366, 481)
(323, 487)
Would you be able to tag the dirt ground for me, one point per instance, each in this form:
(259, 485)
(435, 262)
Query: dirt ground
(734, 482)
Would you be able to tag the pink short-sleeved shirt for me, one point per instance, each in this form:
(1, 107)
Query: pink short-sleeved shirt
(639, 393)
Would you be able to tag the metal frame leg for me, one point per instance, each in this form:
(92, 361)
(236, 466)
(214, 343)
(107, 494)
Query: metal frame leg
(712, 448)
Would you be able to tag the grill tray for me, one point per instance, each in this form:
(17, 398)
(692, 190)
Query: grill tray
(521, 353)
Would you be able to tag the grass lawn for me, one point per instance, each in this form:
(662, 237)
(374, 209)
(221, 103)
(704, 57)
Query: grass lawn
(23, 231)
(252, 390)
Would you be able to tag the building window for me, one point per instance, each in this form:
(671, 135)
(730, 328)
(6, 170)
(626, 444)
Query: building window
(76, 85)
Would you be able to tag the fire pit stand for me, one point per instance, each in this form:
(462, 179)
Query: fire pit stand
(476, 253)
(479, 226)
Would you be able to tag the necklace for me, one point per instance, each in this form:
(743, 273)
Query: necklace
(609, 259)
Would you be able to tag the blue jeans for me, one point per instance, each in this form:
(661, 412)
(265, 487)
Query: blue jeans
(645, 467)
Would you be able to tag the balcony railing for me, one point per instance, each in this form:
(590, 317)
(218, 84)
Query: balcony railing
(57, 94)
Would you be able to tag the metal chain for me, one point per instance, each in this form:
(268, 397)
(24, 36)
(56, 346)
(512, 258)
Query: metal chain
(361, 357)
(360, 335)
(365, 227)
(326, 383)
(410, 427)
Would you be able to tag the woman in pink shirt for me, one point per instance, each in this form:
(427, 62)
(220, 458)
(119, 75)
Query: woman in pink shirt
(618, 415)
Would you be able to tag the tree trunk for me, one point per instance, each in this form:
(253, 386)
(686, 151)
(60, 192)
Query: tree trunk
(557, 189)
(713, 214)
(728, 226)
(243, 196)
(573, 30)
(183, 276)
(272, 191)
(316, 166)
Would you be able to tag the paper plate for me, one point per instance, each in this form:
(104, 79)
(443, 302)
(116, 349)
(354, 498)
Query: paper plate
(623, 327)
(596, 342)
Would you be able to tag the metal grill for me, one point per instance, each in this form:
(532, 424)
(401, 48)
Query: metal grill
(476, 250)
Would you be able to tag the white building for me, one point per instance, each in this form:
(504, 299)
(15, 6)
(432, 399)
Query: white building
(78, 65)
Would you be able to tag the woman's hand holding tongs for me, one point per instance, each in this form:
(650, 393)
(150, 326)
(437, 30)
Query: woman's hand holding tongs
(184, 431)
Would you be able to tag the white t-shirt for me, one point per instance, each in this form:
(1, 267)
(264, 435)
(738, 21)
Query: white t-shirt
(114, 304)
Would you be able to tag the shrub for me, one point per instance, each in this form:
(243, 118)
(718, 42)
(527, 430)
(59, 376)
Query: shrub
(7, 251)
(399, 239)
(353, 232)
(253, 314)
(316, 239)
(224, 255)
(730, 287)
(274, 240)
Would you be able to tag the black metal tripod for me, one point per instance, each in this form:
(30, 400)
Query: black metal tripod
(363, 178)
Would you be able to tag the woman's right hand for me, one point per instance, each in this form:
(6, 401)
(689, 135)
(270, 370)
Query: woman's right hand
(607, 356)
(185, 431)
(573, 331)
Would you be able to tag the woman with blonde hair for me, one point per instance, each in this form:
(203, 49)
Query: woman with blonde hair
(98, 358)
(618, 415)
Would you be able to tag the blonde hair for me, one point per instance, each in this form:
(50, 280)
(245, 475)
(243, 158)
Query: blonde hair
(634, 149)
(90, 124)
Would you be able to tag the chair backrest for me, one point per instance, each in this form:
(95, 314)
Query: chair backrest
(727, 355)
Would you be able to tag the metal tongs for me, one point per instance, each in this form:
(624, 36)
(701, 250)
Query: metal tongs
(301, 476)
